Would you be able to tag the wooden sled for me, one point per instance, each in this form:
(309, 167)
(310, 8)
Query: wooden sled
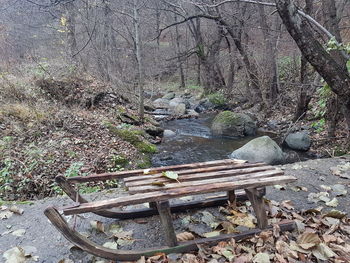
(194, 179)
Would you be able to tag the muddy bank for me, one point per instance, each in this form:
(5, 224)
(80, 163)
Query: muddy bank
(50, 246)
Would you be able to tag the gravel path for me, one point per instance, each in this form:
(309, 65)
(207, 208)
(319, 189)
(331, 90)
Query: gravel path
(49, 245)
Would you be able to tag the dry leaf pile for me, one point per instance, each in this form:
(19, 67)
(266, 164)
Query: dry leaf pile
(318, 237)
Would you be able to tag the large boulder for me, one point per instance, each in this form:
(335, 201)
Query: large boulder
(261, 149)
(299, 141)
(228, 123)
(161, 103)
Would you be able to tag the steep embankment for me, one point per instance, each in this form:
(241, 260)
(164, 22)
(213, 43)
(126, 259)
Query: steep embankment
(71, 127)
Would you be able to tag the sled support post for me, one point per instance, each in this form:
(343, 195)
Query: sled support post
(167, 222)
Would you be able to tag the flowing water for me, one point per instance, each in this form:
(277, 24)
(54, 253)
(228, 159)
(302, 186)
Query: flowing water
(194, 142)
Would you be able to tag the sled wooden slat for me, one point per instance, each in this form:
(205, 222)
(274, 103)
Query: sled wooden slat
(199, 176)
(163, 195)
(124, 174)
(201, 171)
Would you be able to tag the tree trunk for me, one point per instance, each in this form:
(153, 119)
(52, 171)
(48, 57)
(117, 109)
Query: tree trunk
(178, 52)
(334, 74)
(305, 92)
(138, 46)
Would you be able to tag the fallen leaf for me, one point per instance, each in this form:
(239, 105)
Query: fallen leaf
(14, 255)
(111, 245)
(228, 254)
(333, 203)
(339, 189)
(323, 252)
(308, 240)
(261, 258)
(97, 225)
(6, 214)
(171, 175)
(287, 204)
(19, 232)
(284, 249)
(124, 242)
(185, 236)
(335, 214)
(16, 210)
(316, 197)
(158, 183)
(279, 187)
(209, 219)
(211, 234)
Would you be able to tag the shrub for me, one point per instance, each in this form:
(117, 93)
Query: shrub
(218, 99)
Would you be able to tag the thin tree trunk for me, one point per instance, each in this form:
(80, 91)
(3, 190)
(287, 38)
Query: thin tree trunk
(177, 41)
(138, 46)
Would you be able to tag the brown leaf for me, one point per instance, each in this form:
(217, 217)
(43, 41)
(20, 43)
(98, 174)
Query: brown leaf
(16, 210)
(97, 225)
(185, 236)
(287, 204)
(308, 240)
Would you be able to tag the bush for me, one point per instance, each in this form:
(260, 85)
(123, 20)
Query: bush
(218, 99)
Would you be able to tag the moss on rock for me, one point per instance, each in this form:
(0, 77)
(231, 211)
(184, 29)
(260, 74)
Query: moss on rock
(135, 137)
(218, 99)
(229, 123)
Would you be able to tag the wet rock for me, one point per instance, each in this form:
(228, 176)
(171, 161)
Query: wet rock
(192, 113)
(154, 130)
(233, 124)
(175, 101)
(169, 133)
(204, 105)
(261, 149)
(169, 96)
(299, 141)
(179, 109)
(161, 103)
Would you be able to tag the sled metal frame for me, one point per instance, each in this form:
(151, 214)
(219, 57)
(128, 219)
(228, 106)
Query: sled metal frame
(194, 179)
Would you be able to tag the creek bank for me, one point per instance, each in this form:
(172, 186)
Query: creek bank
(51, 246)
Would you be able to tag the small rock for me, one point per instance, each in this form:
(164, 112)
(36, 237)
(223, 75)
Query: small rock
(299, 141)
(169, 96)
(180, 109)
(169, 133)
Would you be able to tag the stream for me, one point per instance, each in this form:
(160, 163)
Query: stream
(194, 142)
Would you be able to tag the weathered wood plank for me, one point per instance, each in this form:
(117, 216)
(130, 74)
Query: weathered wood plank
(167, 222)
(237, 178)
(258, 206)
(123, 174)
(200, 176)
(174, 193)
(184, 172)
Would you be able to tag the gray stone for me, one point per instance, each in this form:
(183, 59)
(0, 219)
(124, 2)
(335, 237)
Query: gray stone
(169, 96)
(180, 109)
(175, 101)
(193, 113)
(204, 105)
(161, 103)
(299, 141)
(261, 149)
(169, 133)
(228, 123)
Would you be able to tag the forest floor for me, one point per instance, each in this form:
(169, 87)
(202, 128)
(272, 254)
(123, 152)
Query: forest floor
(325, 179)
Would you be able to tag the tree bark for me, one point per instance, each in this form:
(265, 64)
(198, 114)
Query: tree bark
(138, 47)
(334, 74)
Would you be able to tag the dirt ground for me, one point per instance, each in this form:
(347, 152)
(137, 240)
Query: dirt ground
(46, 244)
